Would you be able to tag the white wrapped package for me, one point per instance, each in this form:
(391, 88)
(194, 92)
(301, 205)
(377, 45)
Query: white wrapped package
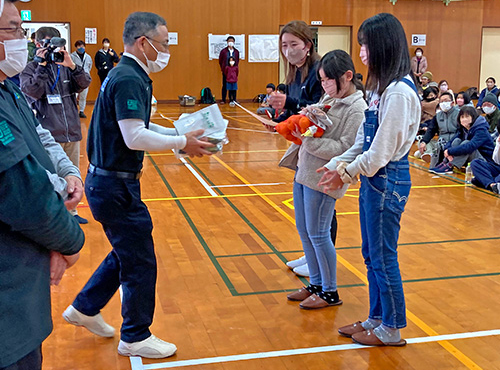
(208, 119)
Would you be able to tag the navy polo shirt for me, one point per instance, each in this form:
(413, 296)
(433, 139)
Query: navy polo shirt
(125, 94)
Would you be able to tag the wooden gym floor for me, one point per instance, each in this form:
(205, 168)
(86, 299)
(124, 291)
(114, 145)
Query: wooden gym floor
(223, 230)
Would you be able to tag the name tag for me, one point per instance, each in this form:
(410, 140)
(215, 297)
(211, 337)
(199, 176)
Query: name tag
(54, 99)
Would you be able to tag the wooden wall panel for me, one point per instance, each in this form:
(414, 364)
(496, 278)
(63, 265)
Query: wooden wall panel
(453, 33)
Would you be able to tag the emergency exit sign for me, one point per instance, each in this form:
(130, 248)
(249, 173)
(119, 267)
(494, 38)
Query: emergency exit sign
(26, 15)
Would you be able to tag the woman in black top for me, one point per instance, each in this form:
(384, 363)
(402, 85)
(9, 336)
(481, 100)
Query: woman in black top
(105, 60)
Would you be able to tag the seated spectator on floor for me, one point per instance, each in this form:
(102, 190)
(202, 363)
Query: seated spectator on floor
(270, 88)
(425, 79)
(490, 107)
(463, 99)
(490, 87)
(487, 171)
(445, 87)
(281, 88)
(445, 125)
(430, 102)
(472, 141)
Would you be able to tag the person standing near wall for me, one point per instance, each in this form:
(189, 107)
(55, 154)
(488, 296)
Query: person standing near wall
(105, 59)
(226, 53)
(82, 59)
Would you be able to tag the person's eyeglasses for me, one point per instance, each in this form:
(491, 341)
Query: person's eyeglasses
(21, 31)
(163, 44)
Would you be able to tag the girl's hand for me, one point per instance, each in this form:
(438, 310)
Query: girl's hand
(330, 180)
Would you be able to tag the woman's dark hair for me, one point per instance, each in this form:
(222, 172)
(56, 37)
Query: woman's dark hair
(301, 30)
(232, 58)
(467, 110)
(281, 87)
(106, 40)
(334, 64)
(388, 55)
(417, 49)
(441, 82)
(491, 78)
(230, 38)
(465, 96)
(428, 91)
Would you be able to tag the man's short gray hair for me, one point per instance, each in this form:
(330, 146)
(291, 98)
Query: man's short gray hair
(141, 24)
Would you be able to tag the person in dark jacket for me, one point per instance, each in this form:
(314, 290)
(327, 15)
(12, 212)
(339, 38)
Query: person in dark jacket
(37, 235)
(490, 88)
(486, 171)
(226, 53)
(491, 108)
(231, 73)
(53, 88)
(105, 59)
(472, 141)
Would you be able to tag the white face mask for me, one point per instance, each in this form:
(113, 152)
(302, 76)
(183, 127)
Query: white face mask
(230, 44)
(418, 54)
(489, 110)
(443, 88)
(161, 60)
(231, 63)
(445, 106)
(16, 56)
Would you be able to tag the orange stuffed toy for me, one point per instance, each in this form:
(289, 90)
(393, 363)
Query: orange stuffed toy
(301, 122)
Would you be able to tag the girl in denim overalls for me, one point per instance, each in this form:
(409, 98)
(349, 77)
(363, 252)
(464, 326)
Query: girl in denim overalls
(380, 157)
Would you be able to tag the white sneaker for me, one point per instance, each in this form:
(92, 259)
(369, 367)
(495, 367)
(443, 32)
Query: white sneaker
(232, 104)
(302, 270)
(94, 324)
(151, 347)
(296, 263)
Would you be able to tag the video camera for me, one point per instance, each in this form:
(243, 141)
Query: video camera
(54, 54)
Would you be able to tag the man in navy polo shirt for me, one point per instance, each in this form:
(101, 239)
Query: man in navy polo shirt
(119, 134)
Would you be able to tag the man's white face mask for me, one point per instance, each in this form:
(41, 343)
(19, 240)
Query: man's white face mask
(161, 60)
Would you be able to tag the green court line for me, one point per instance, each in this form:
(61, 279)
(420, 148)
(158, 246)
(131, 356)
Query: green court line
(202, 241)
(244, 218)
(358, 246)
(408, 281)
(453, 179)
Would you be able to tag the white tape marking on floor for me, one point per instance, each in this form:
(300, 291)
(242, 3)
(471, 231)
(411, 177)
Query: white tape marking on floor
(240, 185)
(200, 179)
(136, 363)
(306, 351)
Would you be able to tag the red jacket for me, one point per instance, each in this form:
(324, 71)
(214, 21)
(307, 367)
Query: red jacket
(231, 73)
(224, 58)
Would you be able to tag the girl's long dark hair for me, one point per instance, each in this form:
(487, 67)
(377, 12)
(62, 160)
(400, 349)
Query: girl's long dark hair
(388, 55)
(337, 62)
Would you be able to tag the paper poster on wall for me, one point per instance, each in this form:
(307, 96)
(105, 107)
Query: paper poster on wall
(91, 35)
(173, 38)
(218, 42)
(263, 48)
(418, 40)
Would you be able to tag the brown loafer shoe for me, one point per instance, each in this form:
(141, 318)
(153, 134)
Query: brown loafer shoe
(314, 302)
(349, 330)
(368, 338)
(299, 295)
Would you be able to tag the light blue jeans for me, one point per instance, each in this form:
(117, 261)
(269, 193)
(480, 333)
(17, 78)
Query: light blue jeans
(313, 218)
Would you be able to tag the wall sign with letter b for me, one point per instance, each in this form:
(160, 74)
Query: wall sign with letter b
(418, 40)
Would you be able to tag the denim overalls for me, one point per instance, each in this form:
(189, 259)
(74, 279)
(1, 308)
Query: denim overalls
(381, 202)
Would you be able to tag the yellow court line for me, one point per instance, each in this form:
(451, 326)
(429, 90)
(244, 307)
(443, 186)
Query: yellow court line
(455, 352)
(287, 203)
(229, 152)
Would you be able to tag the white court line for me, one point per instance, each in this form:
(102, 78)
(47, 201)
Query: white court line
(300, 351)
(200, 179)
(239, 185)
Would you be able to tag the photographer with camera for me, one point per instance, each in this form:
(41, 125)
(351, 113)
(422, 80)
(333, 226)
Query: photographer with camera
(52, 81)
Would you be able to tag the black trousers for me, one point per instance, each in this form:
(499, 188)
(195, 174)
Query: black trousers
(232, 95)
(32, 361)
(224, 89)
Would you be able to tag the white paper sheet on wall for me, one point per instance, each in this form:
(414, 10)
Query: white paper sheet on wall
(218, 42)
(263, 48)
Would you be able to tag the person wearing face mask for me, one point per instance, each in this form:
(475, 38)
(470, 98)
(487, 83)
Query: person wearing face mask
(380, 157)
(231, 73)
(490, 108)
(38, 237)
(225, 54)
(472, 141)
(444, 87)
(105, 59)
(119, 133)
(82, 59)
(418, 63)
(314, 209)
(443, 124)
(53, 88)
(302, 88)
(487, 172)
(490, 88)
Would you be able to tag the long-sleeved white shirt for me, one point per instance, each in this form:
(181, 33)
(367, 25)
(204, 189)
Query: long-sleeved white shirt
(157, 138)
(399, 118)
